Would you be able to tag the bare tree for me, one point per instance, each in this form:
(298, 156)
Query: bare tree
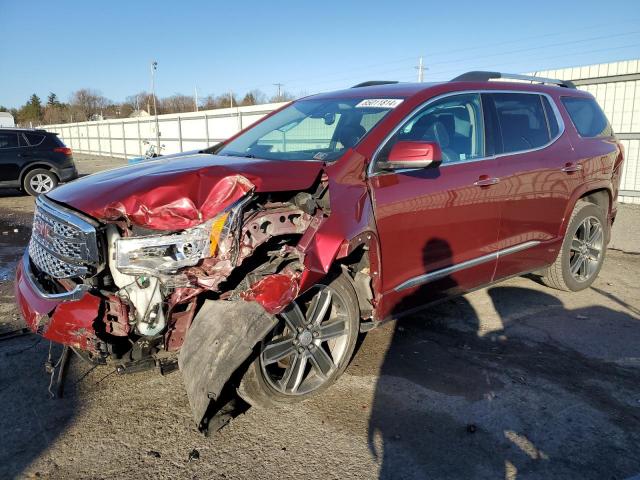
(178, 103)
(86, 102)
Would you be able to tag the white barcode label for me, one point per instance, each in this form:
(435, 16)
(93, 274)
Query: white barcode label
(380, 103)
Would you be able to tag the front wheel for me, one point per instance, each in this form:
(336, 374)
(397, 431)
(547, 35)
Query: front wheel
(583, 250)
(308, 349)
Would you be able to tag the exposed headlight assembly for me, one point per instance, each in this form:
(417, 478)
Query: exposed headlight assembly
(166, 254)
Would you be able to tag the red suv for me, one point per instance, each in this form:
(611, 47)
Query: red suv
(255, 266)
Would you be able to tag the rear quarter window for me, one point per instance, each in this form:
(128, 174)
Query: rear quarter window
(34, 138)
(587, 116)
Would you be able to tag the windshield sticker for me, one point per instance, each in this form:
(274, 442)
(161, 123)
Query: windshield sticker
(320, 156)
(380, 103)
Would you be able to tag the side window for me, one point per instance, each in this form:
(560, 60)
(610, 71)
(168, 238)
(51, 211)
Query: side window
(34, 139)
(587, 116)
(522, 121)
(454, 122)
(8, 140)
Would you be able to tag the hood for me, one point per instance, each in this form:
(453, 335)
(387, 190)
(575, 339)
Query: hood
(180, 192)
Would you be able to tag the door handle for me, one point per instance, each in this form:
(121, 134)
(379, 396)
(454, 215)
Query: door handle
(485, 181)
(570, 168)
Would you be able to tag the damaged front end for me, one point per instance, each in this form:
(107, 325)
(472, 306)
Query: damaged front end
(124, 294)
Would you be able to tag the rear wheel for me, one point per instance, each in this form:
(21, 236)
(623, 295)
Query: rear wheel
(39, 181)
(308, 349)
(583, 250)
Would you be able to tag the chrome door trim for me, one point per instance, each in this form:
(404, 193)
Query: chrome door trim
(556, 111)
(444, 272)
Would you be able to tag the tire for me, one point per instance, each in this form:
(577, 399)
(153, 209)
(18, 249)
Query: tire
(562, 274)
(39, 181)
(264, 385)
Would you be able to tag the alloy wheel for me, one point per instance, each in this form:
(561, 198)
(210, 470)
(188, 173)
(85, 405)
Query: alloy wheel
(308, 344)
(41, 183)
(586, 249)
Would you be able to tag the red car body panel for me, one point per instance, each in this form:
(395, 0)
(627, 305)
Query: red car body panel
(67, 323)
(178, 193)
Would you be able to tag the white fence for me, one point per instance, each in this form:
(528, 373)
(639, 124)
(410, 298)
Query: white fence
(179, 132)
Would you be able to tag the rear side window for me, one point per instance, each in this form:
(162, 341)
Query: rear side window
(34, 138)
(8, 140)
(587, 117)
(523, 121)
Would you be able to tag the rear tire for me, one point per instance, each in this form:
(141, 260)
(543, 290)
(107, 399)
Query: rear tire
(39, 181)
(583, 250)
(305, 354)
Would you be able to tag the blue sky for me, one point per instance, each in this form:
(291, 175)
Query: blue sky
(310, 46)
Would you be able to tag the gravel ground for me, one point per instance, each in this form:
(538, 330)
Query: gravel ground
(515, 381)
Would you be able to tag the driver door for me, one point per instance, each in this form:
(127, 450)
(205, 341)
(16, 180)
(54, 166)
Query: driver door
(438, 226)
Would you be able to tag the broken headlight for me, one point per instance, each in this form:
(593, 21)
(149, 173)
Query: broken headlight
(166, 254)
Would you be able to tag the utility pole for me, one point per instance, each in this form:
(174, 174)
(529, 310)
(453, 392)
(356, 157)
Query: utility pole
(154, 67)
(231, 98)
(279, 85)
(421, 70)
(195, 100)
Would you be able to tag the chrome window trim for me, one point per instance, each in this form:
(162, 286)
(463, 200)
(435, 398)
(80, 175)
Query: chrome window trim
(561, 128)
(444, 272)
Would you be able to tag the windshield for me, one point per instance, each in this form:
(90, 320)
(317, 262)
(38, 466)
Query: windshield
(311, 130)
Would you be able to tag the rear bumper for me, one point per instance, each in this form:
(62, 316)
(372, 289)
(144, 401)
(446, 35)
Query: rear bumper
(65, 319)
(67, 174)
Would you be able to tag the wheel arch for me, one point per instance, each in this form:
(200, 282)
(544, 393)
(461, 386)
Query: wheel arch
(35, 165)
(600, 194)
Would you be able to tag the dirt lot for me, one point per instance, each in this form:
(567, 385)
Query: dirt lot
(513, 381)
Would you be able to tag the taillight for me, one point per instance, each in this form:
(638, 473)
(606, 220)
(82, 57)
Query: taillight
(66, 150)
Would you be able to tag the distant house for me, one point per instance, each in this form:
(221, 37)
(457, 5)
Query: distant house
(96, 117)
(139, 113)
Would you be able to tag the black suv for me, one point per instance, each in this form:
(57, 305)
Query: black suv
(34, 161)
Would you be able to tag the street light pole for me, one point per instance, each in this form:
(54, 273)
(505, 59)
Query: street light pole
(154, 67)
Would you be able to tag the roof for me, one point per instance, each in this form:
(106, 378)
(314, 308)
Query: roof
(406, 90)
(18, 129)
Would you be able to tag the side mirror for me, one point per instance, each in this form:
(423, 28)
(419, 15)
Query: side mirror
(406, 154)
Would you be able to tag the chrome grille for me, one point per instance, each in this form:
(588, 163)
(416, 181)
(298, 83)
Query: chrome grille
(63, 244)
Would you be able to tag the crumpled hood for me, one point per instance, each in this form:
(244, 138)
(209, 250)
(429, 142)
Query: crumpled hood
(180, 192)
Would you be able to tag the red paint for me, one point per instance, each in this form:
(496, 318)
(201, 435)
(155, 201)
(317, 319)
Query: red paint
(273, 292)
(177, 193)
(69, 323)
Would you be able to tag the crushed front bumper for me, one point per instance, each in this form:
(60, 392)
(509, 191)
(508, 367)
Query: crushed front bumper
(65, 318)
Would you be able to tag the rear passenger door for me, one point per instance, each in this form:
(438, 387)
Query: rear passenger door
(9, 159)
(535, 186)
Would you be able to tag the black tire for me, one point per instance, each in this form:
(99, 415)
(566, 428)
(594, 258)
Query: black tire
(559, 275)
(39, 181)
(257, 385)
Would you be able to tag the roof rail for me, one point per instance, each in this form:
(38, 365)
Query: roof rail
(480, 76)
(371, 83)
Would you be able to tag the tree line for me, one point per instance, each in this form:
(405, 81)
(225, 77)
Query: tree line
(88, 104)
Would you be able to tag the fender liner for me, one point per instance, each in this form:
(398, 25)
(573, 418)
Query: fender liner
(221, 338)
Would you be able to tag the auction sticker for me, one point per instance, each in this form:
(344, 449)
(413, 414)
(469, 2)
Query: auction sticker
(380, 103)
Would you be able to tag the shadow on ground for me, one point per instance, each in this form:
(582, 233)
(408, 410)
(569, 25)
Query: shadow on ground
(538, 397)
